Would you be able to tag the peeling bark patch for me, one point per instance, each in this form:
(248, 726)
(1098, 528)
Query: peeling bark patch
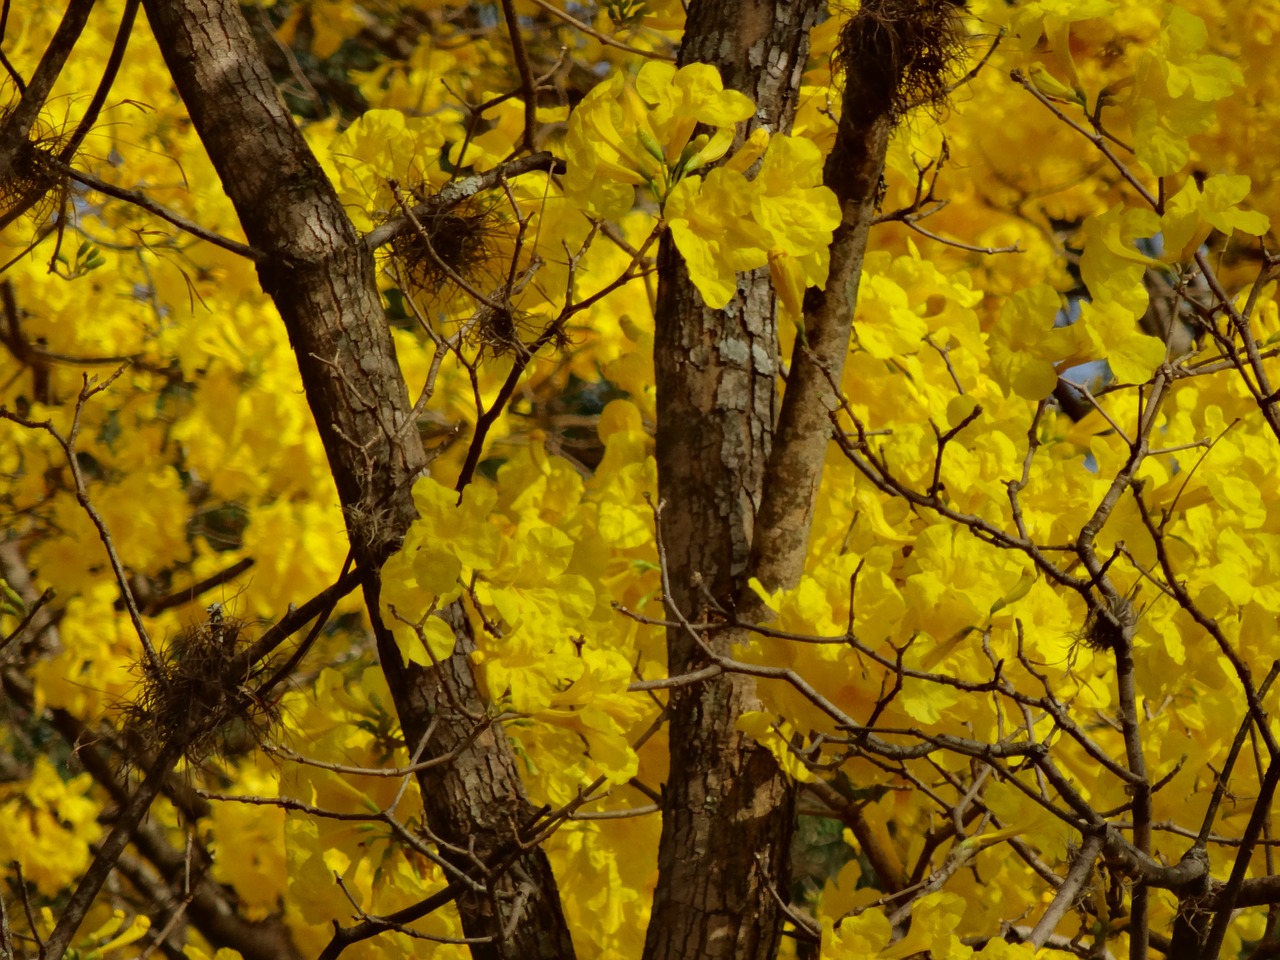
(762, 360)
(734, 352)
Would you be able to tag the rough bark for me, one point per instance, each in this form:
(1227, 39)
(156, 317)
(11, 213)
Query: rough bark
(477, 811)
(322, 280)
(728, 810)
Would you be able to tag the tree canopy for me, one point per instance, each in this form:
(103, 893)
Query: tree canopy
(641, 479)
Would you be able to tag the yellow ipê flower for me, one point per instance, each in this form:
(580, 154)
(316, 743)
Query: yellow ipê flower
(623, 135)
(726, 224)
(626, 135)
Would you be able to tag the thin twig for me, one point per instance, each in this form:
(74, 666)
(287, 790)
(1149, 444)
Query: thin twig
(104, 862)
(90, 389)
(521, 54)
(140, 200)
(109, 71)
(607, 40)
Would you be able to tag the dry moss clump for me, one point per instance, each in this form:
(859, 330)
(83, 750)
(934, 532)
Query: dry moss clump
(445, 245)
(1111, 624)
(202, 695)
(453, 256)
(34, 180)
(899, 54)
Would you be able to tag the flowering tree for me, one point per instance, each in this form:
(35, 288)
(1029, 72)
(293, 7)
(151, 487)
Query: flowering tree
(546, 480)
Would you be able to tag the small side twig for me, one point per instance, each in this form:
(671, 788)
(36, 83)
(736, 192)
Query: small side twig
(90, 389)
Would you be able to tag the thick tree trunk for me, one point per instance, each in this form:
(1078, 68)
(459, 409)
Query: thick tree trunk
(728, 809)
(322, 280)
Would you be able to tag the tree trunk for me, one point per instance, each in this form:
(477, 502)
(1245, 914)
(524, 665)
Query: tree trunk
(728, 809)
(323, 282)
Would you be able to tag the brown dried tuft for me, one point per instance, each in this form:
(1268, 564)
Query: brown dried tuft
(1110, 625)
(900, 54)
(201, 696)
(34, 181)
(505, 330)
(446, 244)
(496, 329)
(462, 254)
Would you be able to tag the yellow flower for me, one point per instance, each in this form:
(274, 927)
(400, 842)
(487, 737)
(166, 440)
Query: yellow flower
(625, 135)
(789, 201)
(712, 228)
(681, 99)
